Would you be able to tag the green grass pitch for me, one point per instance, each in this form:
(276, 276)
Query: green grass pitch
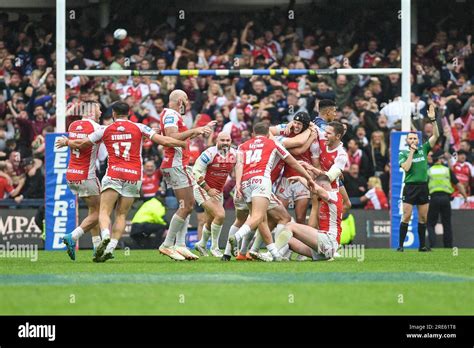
(146, 283)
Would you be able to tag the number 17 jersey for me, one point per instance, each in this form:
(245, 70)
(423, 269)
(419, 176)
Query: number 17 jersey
(259, 155)
(123, 141)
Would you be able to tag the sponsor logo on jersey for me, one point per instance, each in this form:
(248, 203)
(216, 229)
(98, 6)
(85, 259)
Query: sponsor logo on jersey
(121, 129)
(169, 120)
(78, 128)
(205, 158)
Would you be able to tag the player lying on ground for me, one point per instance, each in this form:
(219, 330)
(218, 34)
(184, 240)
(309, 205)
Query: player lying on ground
(81, 176)
(322, 243)
(253, 182)
(211, 171)
(122, 181)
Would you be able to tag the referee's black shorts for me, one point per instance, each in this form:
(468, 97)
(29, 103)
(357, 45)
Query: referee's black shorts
(416, 193)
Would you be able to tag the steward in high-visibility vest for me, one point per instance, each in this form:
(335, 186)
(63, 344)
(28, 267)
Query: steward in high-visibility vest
(440, 185)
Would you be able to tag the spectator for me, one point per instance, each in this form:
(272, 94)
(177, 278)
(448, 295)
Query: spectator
(151, 180)
(378, 153)
(374, 198)
(355, 185)
(355, 155)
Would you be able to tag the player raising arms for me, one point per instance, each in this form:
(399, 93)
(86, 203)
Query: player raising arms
(211, 171)
(81, 177)
(178, 174)
(321, 243)
(122, 181)
(254, 164)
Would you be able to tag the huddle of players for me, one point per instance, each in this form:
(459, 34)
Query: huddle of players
(296, 162)
(311, 158)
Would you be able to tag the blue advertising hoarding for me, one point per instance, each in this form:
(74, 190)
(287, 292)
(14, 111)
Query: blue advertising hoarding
(60, 202)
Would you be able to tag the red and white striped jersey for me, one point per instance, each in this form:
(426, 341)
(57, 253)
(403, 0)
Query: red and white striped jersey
(377, 199)
(258, 155)
(215, 166)
(329, 158)
(464, 173)
(330, 215)
(82, 161)
(174, 156)
(123, 140)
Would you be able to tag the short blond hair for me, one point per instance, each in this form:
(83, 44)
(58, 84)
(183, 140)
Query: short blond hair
(375, 182)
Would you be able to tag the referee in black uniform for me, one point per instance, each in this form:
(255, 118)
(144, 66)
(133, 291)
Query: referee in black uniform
(415, 192)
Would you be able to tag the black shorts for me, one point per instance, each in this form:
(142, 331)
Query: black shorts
(416, 194)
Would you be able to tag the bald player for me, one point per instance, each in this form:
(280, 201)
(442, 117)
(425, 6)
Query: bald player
(211, 171)
(178, 174)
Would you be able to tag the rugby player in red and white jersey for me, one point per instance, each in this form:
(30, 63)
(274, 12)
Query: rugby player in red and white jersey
(178, 174)
(330, 156)
(122, 181)
(278, 216)
(295, 191)
(81, 175)
(321, 243)
(253, 170)
(211, 171)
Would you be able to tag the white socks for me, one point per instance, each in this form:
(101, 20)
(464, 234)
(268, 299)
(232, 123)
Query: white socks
(77, 233)
(232, 231)
(242, 232)
(257, 243)
(105, 234)
(246, 242)
(111, 246)
(204, 237)
(96, 241)
(181, 235)
(215, 232)
(176, 225)
(273, 250)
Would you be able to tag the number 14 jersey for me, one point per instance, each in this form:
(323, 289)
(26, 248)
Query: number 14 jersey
(259, 156)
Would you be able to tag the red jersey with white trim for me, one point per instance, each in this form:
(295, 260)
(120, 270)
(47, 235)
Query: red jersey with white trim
(82, 161)
(258, 156)
(174, 156)
(463, 172)
(330, 215)
(289, 171)
(123, 140)
(151, 184)
(216, 165)
(377, 199)
(329, 158)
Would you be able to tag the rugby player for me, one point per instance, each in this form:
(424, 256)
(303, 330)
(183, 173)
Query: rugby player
(81, 176)
(321, 243)
(253, 170)
(122, 181)
(178, 174)
(211, 171)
